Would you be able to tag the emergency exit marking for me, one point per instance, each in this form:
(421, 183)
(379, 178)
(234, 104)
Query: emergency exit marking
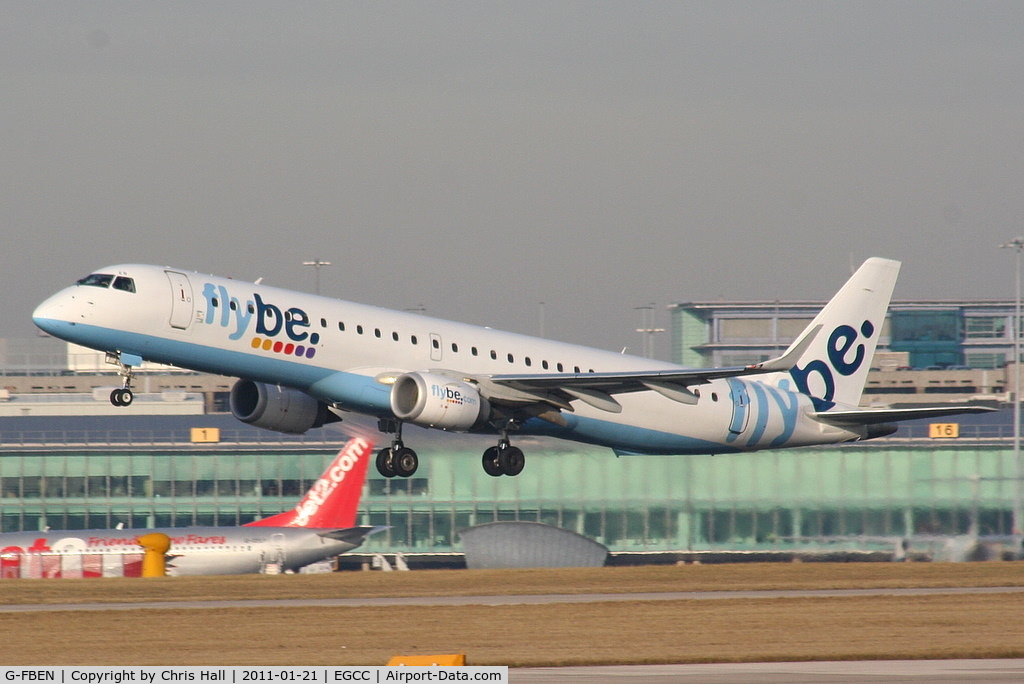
(944, 430)
(206, 435)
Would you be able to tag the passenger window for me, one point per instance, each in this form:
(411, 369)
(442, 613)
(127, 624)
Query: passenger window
(215, 302)
(341, 326)
(394, 336)
(455, 347)
(96, 280)
(494, 355)
(474, 351)
(359, 329)
(376, 333)
(124, 284)
(544, 365)
(528, 361)
(560, 367)
(414, 340)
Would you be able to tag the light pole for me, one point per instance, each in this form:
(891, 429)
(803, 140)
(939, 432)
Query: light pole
(317, 264)
(647, 330)
(1016, 244)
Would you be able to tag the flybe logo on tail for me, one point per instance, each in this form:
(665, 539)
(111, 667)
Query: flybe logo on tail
(269, 321)
(845, 356)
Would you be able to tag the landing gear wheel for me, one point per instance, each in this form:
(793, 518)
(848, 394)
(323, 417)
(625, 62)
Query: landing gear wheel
(511, 460)
(404, 461)
(386, 462)
(490, 461)
(121, 397)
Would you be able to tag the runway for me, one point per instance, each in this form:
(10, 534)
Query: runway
(505, 600)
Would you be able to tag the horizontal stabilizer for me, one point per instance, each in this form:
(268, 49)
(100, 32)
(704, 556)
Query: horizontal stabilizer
(876, 416)
(352, 535)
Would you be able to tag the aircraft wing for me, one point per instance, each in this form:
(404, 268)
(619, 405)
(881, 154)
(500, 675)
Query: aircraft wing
(596, 389)
(875, 416)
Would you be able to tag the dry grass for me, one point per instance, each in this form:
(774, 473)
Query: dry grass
(942, 626)
(739, 576)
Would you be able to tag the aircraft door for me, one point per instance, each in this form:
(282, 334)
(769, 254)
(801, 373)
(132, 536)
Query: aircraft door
(181, 300)
(740, 408)
(277, 550)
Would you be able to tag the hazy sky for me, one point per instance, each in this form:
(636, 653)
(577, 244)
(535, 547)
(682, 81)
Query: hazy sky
(478, 158)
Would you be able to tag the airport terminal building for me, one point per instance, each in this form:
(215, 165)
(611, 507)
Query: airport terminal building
(176, 457)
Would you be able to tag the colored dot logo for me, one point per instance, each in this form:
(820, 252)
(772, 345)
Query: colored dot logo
(278, 347)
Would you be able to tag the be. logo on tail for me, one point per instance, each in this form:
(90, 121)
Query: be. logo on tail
(841, 343)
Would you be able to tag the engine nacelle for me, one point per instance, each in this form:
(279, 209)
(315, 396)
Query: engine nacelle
(277, 408)
(436, 401)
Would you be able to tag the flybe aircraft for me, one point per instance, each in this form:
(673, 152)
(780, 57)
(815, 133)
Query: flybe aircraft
(306, 360)
(321, 526)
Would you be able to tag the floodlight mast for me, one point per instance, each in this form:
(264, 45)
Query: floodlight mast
(317, 264)
(1016, 244)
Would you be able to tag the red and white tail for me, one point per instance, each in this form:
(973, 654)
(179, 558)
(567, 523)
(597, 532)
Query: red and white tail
(333, 500)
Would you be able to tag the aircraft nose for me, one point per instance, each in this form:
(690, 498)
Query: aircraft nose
(50, 314)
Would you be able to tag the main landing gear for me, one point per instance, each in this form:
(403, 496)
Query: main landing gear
(504, 459)
(396, 460)
(399, 460)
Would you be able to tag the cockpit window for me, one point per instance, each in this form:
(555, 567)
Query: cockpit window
(96, 280)
(123, 283)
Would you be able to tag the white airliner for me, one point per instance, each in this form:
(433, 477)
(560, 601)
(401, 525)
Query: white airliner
(306, 360)
(321, 526)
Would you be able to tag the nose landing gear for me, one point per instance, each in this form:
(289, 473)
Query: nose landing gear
(124, 362)
(122, 397)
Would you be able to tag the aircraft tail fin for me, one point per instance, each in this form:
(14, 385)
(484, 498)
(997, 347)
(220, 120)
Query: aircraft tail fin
(333, 500)
(833, 367)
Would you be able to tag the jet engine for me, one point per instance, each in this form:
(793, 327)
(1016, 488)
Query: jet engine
(433, 400)
(277, 408)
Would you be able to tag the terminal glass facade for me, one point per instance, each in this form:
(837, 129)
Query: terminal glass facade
(932, 337)
(935, 334)
(770, 500)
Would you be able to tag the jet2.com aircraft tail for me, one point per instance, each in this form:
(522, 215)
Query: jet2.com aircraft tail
(333, 500)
